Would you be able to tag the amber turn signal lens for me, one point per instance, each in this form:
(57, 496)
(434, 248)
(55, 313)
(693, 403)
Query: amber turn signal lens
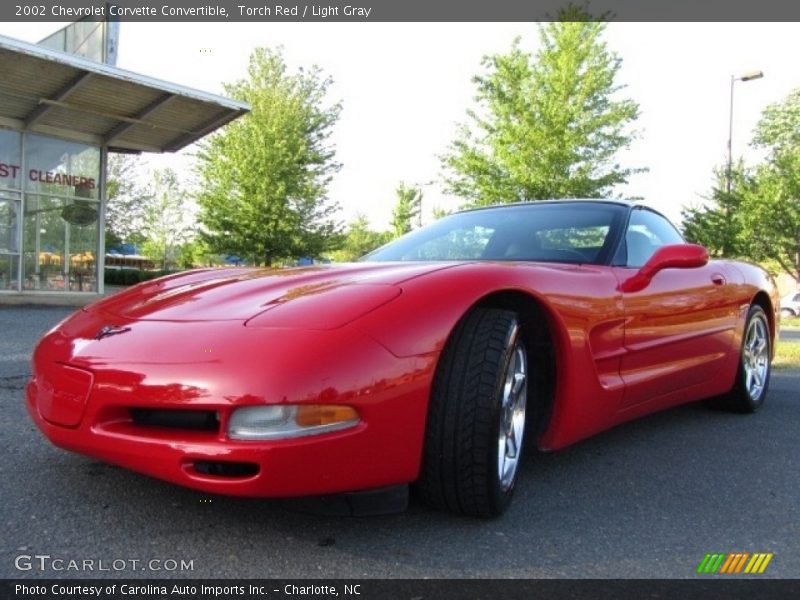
(284, 421)
(316, 415)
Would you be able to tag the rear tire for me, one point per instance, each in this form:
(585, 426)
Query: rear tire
(755, 355)
(476, 417)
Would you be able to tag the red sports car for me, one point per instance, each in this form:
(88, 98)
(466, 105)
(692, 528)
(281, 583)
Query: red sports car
(431, 361)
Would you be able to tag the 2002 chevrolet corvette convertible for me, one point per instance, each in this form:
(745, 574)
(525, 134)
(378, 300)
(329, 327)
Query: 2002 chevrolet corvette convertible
(433, 360)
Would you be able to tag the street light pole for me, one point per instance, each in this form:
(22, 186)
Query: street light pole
(749, 76)
(730, 142)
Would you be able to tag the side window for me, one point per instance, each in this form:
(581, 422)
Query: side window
(647, 232)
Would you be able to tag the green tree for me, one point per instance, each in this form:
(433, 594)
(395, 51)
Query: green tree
(439, 212)
(195, 253)
(547, 126)
(760, 218)
(772, 210)
(771, 216)
(168, 223)
(719, 223)
(264, 177)
(407, 209)
(126, 201)
(359, 240)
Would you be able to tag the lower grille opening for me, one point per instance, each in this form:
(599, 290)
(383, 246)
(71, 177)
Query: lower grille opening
(220, 468)
(199, 420)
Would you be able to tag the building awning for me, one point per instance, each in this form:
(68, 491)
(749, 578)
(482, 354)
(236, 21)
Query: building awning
(53, 93)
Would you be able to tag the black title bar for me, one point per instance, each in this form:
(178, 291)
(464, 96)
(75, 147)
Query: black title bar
(393, 10)
(399, 589)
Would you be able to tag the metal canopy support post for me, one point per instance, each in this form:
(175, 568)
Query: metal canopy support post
(67, 266)
(100, 258)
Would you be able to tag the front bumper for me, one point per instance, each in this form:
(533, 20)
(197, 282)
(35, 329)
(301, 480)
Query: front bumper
(383, 449)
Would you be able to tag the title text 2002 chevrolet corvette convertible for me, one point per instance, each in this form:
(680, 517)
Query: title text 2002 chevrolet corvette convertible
(432, 361)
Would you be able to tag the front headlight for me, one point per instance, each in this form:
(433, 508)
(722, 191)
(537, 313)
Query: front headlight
(289, 421)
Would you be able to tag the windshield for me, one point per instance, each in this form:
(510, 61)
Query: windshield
(571, 232)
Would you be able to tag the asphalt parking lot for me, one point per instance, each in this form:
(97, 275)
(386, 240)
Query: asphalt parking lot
(647, 499)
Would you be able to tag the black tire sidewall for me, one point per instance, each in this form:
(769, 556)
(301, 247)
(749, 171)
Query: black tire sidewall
(459, 470)
(501, 498)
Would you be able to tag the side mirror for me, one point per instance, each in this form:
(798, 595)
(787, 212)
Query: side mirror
(674, 256)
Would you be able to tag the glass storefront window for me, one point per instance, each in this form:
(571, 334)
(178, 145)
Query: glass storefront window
(49, 209)
(9, 240)
(8, 225)
(8, 271)
(10, 163)
(61, 168)
(60, 244)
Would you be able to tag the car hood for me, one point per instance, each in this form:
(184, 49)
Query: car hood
(241, 294)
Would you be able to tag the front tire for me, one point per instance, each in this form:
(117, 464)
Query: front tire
(476, 417)
(752, 378)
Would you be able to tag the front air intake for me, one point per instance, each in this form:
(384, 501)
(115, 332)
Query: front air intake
(219, 468)
(198, 420)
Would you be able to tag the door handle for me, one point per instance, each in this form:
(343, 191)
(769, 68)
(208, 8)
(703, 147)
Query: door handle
(718, 279)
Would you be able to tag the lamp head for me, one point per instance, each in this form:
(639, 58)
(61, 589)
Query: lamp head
(750, 75)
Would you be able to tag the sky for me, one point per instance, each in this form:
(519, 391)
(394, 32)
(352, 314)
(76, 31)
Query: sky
(405, 87)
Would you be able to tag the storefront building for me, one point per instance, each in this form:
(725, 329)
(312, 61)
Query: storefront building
(49, 213)
(60, 115)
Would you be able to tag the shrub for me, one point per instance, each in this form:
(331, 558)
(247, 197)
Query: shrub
(129, 276)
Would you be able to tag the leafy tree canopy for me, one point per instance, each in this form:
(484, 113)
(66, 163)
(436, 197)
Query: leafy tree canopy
(126, 201)
(760, 218)
(360, 240)
(264, 178)
(718, 224)
(407, 210)
(168, 220)
(547, 126)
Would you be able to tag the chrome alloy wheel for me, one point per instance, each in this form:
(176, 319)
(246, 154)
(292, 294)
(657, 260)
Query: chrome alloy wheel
(512, 414)
(755, 357)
